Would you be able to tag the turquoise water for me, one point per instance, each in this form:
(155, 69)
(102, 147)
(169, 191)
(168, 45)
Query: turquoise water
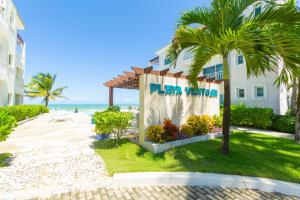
(86, 108)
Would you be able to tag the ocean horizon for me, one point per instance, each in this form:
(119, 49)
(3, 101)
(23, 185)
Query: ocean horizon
(87, 108)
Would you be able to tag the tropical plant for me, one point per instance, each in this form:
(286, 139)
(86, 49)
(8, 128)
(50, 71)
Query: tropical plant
(223, 28)
(198, 125)
(283, 123)
(41, 85)
(115, 123)
(155, 133)
(241, 115)
(171, 130)
(7, 123)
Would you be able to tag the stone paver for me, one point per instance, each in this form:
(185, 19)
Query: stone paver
(51, 154)
(171, 193)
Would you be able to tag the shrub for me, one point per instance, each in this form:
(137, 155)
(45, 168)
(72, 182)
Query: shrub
(116, 123)
(22, 112)
(155, 134)
(7, 123)
(283, 123)
(218, 119)
(170, 130)
(187, 130)
(253, 117)
(113, 109)
(199, 125)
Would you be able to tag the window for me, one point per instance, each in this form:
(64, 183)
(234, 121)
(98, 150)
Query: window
(240, 59)
(219, 68)
(240, 93)
(259, 91)
(10, 58)
(167, 61)
(11, 18)
(209, 72)
(221, 99)
(9, 98)
(257, 11)
(215, 72)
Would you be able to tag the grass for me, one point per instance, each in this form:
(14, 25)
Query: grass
(251, 155)
(3, 159)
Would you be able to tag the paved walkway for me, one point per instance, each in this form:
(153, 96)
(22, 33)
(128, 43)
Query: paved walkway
(51, 154)
(170, 193)
(264, 132)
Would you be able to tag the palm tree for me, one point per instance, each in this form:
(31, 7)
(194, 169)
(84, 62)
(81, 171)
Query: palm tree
(294, 87)
(222, 28)
(41, 85)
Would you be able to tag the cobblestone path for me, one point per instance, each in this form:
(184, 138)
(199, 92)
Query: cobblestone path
(170, 193)
(50, 154)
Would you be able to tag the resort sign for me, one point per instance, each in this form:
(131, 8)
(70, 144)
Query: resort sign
(177, 90)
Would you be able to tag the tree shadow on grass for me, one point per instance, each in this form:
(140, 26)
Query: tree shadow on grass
(142, 152)
(109, 144)
(251, 155)
(5, 159)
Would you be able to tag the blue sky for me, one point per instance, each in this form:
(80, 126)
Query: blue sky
(89, 42)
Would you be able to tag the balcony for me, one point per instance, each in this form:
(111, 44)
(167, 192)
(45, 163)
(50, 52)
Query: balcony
(216, 75)
(19, 84)
(19, 61)
(20, 53)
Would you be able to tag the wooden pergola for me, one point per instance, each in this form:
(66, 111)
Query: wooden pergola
(130, 79)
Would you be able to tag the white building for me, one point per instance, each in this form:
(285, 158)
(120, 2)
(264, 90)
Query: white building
(12, 55)
(254, 92)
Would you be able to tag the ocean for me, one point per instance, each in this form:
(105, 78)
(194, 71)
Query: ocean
(89, 109)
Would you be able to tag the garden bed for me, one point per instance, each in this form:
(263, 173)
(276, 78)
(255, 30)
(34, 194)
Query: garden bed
(158, 148)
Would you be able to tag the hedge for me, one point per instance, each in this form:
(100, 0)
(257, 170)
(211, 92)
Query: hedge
(283, 123)
(242, 115)
(7, 123)
(261, 118)
(22, 112)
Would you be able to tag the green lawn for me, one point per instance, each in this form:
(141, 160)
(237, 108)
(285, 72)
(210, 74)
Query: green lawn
(3, 158)
(251, 155)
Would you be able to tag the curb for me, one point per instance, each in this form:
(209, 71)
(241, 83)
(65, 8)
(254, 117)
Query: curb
(207, 180)
(28, 120)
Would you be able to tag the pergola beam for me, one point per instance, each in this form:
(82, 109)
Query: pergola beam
(130, 79)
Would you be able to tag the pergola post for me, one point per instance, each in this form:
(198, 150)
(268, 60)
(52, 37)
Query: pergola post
(111, 96)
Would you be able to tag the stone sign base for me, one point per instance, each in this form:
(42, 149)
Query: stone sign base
(158, 148)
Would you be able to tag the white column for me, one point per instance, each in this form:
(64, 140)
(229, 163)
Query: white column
(142, 109)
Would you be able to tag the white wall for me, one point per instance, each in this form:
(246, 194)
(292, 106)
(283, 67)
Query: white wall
(154, 108)
(10, 23)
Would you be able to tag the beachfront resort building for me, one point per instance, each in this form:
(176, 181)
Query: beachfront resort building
(253, 91)
(12, 55)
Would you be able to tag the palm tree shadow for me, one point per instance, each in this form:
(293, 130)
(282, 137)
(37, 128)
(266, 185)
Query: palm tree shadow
(6, 159)
(142, 152)
(108, 144)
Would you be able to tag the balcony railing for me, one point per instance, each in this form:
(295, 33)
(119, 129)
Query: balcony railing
(216, 76)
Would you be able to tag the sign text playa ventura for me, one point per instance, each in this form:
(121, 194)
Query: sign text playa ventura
(177, 90)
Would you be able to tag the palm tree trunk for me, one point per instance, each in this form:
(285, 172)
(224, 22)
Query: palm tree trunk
(46, 101)
(294, 98)
(226, 113)
(297, 128)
